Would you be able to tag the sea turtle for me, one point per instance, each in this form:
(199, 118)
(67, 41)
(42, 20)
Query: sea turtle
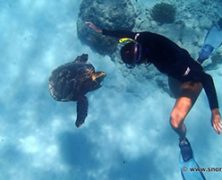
(71, 81)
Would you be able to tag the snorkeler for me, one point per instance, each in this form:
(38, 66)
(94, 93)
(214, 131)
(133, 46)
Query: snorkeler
(176, 63)
(212, 41)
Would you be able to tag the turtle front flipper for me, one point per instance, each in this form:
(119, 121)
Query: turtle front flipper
(82, 109)
(81, 59)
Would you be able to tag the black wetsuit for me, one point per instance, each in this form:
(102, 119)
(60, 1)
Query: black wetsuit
(171, 59)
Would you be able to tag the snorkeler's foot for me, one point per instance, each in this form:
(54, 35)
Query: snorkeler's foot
(185, 149)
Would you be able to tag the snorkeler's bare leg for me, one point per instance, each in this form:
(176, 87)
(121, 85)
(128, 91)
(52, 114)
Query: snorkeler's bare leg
(185, 101)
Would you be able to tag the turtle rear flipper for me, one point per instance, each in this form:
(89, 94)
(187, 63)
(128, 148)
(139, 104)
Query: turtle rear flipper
(82, 109)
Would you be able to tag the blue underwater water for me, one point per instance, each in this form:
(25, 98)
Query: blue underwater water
(126, 135)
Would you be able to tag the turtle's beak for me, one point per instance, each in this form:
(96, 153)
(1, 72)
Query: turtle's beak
(98, 76)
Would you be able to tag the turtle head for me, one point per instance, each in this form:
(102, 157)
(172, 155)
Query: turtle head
(96, 79)
(98, 76)
(93, 82)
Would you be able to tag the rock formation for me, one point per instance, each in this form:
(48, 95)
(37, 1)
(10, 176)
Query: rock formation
(105, 14)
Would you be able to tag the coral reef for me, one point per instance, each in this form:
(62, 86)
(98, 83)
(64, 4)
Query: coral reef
(108, 15)
(163, 13)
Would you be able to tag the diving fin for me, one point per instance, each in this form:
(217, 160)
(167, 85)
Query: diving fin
(189, 168)
(212, 41)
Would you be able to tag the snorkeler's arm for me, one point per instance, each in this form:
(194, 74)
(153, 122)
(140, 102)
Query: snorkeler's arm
(210, 90)
(119, 33)
(208, 85)
(93, 27)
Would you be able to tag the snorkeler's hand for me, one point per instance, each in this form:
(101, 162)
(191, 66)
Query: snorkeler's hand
(93, 27)
(216, 121)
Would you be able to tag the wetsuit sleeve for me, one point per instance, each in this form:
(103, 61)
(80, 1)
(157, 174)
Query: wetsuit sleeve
(119, 34)
(208, 85)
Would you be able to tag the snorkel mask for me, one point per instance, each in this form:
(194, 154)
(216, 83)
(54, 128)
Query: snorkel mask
(131, 52)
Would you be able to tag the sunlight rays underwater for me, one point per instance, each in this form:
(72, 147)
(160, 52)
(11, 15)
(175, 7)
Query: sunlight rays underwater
(126, 134)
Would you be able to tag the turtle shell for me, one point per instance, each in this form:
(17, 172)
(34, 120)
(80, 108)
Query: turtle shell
(66, 81)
